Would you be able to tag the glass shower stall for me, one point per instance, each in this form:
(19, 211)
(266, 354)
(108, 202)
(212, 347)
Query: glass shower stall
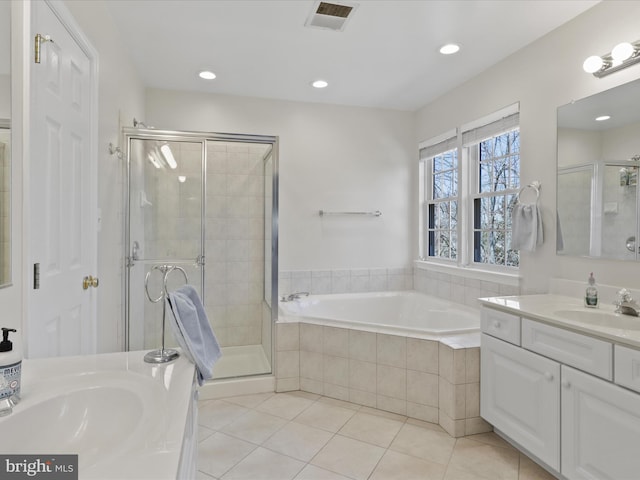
(207, 203)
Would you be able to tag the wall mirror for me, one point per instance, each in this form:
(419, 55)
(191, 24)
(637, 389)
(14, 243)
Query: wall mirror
(5, 144)
(598, 168)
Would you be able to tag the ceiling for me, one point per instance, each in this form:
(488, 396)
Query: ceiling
(386, 57)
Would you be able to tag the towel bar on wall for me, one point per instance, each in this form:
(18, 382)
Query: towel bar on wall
(377, 213)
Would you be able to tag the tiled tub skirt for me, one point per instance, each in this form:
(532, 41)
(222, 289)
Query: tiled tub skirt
(437, 381)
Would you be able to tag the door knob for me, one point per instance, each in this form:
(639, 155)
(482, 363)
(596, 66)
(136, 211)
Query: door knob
(90, 282)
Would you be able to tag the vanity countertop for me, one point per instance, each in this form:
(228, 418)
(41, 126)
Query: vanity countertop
(571, 314)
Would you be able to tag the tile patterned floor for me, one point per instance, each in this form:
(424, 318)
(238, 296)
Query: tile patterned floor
(302, 436)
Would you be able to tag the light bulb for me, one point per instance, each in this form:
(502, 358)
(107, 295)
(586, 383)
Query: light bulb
(622, 51)
(592, 64)
(449, 48)
(168, 156)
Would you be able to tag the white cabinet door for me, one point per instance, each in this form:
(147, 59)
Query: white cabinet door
(520, 396)
(600, 429)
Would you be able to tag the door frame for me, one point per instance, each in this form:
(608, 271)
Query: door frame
(67, 20)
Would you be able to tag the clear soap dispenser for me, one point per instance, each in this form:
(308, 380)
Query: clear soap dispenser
(591, 294)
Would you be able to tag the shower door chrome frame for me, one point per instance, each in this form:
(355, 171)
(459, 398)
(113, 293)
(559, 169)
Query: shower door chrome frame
(131, 133)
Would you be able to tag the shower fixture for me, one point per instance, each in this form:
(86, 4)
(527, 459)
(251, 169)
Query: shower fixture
(138, 124)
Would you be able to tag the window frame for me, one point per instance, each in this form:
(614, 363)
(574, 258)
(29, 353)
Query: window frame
(467, 139)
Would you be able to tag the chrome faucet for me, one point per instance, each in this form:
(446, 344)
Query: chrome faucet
(293, 296)
(625, 304)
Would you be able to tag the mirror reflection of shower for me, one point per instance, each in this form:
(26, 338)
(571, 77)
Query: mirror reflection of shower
(205, 202)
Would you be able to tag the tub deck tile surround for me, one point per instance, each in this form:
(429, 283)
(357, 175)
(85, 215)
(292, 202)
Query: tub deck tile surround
(433, 381)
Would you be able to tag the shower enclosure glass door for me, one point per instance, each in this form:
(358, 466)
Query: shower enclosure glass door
(207, 203)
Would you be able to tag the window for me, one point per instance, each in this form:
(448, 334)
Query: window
(497, 164)
(470, 181)
(443, 206)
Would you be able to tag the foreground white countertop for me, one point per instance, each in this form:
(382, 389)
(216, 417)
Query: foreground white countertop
(123, 417)
(548, 308)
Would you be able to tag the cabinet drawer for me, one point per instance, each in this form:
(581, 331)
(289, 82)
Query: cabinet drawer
(627, 367)
(501, 325)
(585, 353)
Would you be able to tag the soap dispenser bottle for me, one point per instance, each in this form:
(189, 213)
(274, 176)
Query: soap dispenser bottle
(10, 367)
(591, 294)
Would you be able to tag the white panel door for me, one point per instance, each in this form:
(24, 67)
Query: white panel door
(62, 197)
(600, 429)
(520, 396)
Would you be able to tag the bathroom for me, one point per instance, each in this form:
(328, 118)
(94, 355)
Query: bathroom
(373, 149)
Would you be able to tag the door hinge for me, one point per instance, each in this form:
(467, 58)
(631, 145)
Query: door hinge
(40, 39)
(36, 276)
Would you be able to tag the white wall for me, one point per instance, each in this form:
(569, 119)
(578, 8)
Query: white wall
(331, 158)
(542, 76)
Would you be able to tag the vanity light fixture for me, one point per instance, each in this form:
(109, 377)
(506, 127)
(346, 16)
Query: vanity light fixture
(320, 84)
(168, 156)
(449, 49)
(207, 75)
(622, 56)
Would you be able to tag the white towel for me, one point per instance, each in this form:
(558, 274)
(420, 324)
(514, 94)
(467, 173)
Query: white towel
(527, 227)
(192, 330)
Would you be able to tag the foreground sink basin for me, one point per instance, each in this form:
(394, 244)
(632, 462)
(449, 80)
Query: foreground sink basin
(124, 418)
(92, 418)
(600, 318)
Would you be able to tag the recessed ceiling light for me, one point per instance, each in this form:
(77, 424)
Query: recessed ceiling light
(602, 118)
(449, 48)
(320, 84)
(207, 75)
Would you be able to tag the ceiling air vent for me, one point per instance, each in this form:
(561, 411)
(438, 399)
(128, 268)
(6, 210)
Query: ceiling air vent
(330, 15)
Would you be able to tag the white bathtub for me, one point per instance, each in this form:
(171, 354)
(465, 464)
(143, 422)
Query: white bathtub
(403, 312)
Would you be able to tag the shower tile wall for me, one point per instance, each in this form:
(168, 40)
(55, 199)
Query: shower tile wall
(170, 210)
(234, 242)
(458, 288)
(358, 280)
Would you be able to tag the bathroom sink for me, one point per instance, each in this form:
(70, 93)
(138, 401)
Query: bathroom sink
(600, 318)
(124, 418)
(93, 417)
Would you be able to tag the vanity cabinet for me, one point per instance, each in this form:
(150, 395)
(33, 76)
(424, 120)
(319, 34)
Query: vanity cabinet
(520, 396)
(600, 428)
(556, 394)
